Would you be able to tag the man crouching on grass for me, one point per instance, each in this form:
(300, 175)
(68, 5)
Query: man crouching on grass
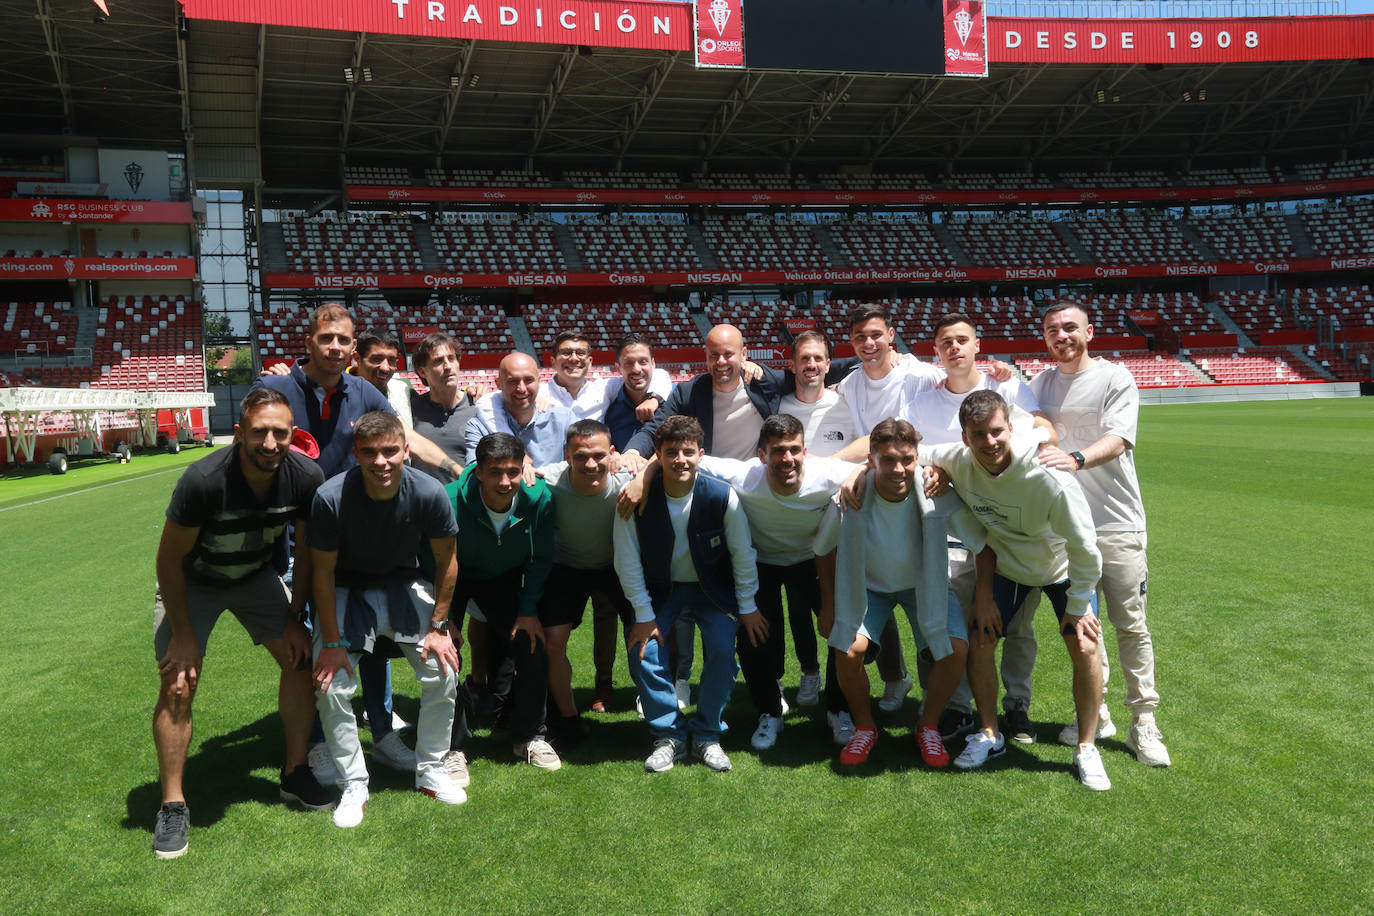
(225, 531)
(365, 530)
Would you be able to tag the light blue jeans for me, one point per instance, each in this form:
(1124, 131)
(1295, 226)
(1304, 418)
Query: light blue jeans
(718, 670)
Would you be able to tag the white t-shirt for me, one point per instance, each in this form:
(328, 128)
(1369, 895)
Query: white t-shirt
(1085, 406)
(596, 394)
(499, 519)
(793, 528)
(1037, 519)
(398, 395)
(828, 422)
(889, 524)
(935, 413)
(735, 424)
(872, 401)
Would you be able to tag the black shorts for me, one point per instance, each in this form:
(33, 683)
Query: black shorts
(568, 589)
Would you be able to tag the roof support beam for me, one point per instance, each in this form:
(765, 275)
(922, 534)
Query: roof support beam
(552, 93)
(59, 63)
(729, 110)
(257, 102)
(900, 115)
(1308, 94)
(350, 95)
(458, 78)
(1363, 102)
(647, 95)
(1170, 98)
(188, 127)
(836, 91)
(1077, 107)
(1257, 95)
(1003, 96)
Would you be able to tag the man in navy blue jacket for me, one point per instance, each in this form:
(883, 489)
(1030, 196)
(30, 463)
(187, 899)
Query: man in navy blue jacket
(689, 551)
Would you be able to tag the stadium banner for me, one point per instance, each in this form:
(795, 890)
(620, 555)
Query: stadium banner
(1180, 41)
(97, 268)
(62, 189)
(340, 280)
(966, 45)
(136, 174)
(94, 211)
(719, 36)
(661, 25)
(493, 195)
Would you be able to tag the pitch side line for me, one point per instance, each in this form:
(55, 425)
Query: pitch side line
(113, 483)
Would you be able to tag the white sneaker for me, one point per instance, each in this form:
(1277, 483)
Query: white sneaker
(1145, 741)
(809, 693)
(782, 698)
(684, 693)
(1068, 735)
(666, 752)
(766, 735)
(1088, 764)
(437, 784)
(322, 765)
(711, 754)
(396, 721)
(456, 766)
(350, 810)
(978, 748)
(894, 693)
(639, 707)
(539, 753)
(841, 727)
(391, 751)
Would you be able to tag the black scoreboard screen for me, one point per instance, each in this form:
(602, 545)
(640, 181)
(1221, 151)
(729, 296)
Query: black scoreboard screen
(863, 36)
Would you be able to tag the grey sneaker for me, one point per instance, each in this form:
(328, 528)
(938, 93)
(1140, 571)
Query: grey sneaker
(809, 692)
(841, 727)
(456, 765)
(666, 752)
(539, 753)
(1146, 742)
(1068, 735)
(169, 834)
(392, 752)
(711, 754)
(978, 748)
(894, 693)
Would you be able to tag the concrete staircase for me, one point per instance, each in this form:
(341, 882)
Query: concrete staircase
(703, 250)
(951, 245)
(1072, 242)
(1205, 251)
(1195, 369)
(1300, 354)
(424, 243)
(572, 255)
(272, 247)
(832, 251)
(521, 334)
(1217, 312)
(1302, 243)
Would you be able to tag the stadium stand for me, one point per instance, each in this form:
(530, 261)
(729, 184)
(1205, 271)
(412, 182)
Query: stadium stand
(604, 323)
(142, 343)
(1346, 306)
(1256, 311)
(740, 242)
(1150, 370)
(644, 244)
(490, 244)
(1342, 229)
(895, 241)
(37, 328)
(1010, 242)
(1246, 237)
(386, 244)
(1136, 237)
(763, 324)
(1260, 365)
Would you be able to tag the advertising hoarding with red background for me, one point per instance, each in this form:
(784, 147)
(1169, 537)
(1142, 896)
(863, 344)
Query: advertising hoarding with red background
(719, 34)
(966, 46)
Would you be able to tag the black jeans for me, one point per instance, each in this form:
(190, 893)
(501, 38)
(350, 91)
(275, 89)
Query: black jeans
(762, 665)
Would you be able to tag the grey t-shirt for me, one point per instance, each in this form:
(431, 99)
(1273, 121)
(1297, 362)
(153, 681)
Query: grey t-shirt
(445, 428)
(377, 541)
(583, 524)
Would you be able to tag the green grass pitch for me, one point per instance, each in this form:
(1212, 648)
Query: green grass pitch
(1260, 533)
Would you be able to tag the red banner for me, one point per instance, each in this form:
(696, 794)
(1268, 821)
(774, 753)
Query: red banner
(1180, 41)
(662, 26)
(97, 268)
(966, 45)
(816, 276)
(94, 211)
(418, 195)
(719, 33)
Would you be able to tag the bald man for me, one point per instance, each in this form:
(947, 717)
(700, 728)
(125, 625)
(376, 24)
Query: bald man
(730, 410)
(511, 409)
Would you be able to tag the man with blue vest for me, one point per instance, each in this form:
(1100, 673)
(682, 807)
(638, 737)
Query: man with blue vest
(689, 551)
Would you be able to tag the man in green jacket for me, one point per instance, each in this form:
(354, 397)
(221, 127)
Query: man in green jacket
(505, 552)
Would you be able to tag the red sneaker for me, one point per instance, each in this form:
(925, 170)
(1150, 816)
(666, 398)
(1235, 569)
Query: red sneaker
(932, 748)
(602, 699)
(859, 747)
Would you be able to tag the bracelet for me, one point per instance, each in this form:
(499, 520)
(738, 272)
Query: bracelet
(336, 645)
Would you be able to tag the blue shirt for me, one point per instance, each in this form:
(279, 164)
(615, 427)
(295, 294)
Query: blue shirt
(353, 398)
(543, 436)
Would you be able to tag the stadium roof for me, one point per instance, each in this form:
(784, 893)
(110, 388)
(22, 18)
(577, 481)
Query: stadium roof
(274, 102)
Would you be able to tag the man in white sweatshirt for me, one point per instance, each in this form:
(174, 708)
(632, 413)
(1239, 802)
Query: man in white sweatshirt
(1041, 530)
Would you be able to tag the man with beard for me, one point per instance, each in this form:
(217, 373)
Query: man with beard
(225, 530)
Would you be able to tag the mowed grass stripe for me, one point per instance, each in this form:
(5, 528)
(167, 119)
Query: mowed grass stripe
(1259, 547)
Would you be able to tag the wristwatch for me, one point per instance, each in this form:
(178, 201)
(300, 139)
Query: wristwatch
(439, 626)
(1078, 456)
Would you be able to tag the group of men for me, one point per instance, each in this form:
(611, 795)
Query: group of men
(668, 509)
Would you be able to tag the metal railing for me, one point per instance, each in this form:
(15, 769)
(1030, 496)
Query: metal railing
(1163, 9)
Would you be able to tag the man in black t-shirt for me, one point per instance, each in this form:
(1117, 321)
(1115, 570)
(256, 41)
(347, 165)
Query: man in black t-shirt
(223, 540)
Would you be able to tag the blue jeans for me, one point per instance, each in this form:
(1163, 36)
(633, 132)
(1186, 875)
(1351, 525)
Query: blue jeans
(718, 670)
(882, 605)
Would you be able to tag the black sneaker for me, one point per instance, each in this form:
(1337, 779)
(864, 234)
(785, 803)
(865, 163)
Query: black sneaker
(301, 787)
(955, 722)
(169, 835)
(1019, 728)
